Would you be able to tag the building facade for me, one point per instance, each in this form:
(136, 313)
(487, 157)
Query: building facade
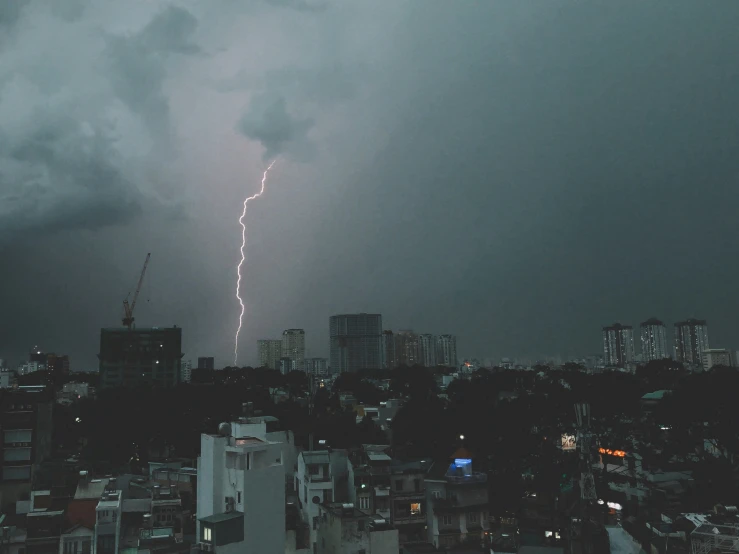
(344, 529)
(270, 352)
(141, 356)
(716, 357)
(241, 495)
(654, 340)
(618, 345)
(206, 362)
(427, 350)
(293, 347)
(446, 351)
(389, 360)
(355, 342)
(691, 339)
(316, 366)
(407, 348)
(186, 372)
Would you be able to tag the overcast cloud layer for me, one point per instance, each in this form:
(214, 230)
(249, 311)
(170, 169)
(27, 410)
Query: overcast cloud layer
(516, 173)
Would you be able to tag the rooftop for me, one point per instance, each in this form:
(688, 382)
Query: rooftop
(316, 457)
(378, 457)
(90, 490)
(226, 516)
(656, 395)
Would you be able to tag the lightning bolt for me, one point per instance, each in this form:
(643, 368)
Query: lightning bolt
(243, 257)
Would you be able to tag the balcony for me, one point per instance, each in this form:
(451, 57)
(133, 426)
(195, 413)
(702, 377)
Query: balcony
(472, 479)
(318, 478)
(406, 518)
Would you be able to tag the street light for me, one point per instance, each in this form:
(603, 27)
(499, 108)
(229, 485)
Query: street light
(461, 437)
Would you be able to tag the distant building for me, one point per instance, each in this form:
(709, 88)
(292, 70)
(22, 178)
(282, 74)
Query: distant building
(691, 339)
(618, 345)
(716, 357)
(286, 365)
(140, 356)
(446, 350)
(7, 378)
(186, 371)
(270, 352)
(241, 494)
(389, 359)
(293, 347)
(427, 350)
(207, 363)
(316, 366)
(57, 364)
(407, 348)
(27, 424)
(653, 340)
(355, 342)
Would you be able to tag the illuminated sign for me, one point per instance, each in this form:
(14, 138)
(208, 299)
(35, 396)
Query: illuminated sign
(568, 442)
(462, 461)
(608, 451)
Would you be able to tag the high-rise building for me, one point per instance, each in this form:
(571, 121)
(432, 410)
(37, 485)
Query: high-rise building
(716, 357)
(316, 366)
(270, 352)
(293, 347)
(406, 348)
(446, 350)
(241, 493)
(208, 363)
(427, 350)
(140, 356)
(355, 342)
(618, 345)
(57, 364)
(186, 372)
(286, 365)
(691, 339)
(26, 440)
(389, 360)
(653, 340)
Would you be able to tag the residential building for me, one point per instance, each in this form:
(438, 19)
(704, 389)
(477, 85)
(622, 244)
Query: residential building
(316, 482)
(406, 348)
(345, 529)
(653, 340)
(208, 363)
(270, 352)
(241, 494)
(293, 347)
(316, 366)
(618, 345)
(389, 360)
(140, 356)
(287, 365)
(446, 350)
(716, 357)
(691, 339)
(7, 378)
(408, 500)
(457, 502)
(269, 429)
(72, 392)
(427, 350)
(108, 518)
(355, 342)
(369, 479)
(186, 372)
(26, 426)
(57, 364)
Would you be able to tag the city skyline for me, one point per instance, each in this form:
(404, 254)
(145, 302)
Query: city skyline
(521, 199)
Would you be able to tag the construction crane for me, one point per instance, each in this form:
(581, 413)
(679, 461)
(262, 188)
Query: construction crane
(128, 318)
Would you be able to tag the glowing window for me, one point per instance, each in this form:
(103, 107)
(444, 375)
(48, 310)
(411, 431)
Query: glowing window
(207, 537)
(415, 508)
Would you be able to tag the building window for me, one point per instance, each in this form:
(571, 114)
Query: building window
(207, 534)
(446, 520)
(472, 517)
(417, 484)
(313, 469)
(238, 497)
(71, 547)
(399, 485)
(364, 503)
(436, 494)
(18, 435)
(415, 508)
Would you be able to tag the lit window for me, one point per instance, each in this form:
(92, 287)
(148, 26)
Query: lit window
(415, 508)
(207, 537)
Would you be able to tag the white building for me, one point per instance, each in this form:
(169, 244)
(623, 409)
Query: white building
(270, 352)
(446, 350)
(6, 378)
(618, 345)
(716, 356)
(653, 340)
(316, 481)
(186, 372)
(293, 347)
(691, 339)
(427, 350)
(108, 522)
(241, 494)
(267, 428)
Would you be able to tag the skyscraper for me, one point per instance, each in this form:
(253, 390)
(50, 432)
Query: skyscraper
(446, 350)
(293, 347)
(427, 350)
(355, 342)
(691, 339)
(389, 360)
(618, 345)
(653, 340)
(270, 352)
(406, 348)
(206, 363)
(316, 366)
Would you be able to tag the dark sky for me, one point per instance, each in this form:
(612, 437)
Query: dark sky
(516, 173)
